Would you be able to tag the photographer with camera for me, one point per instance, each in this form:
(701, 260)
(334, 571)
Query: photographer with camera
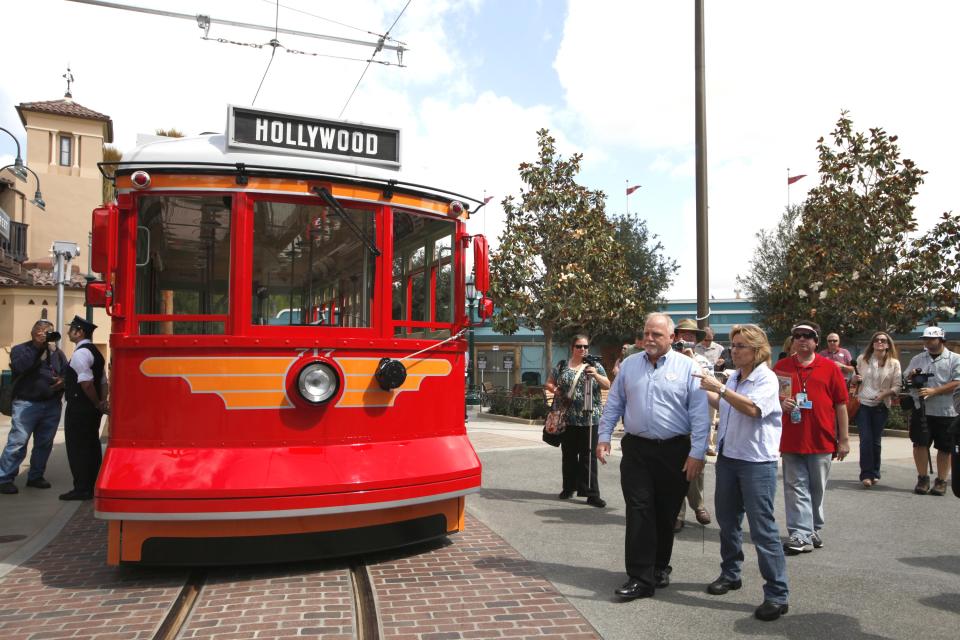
(932, 378)
(37, 366)
(687, 335)
(579, 381)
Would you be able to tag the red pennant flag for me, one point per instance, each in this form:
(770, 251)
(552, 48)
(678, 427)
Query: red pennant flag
(792, 179)
(487, 199)
(632, 189)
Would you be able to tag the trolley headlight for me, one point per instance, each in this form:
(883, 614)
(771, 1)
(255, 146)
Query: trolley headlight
(317, 382)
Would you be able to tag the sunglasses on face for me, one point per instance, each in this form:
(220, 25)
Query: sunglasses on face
(581, 346)
(880, 340)
(804, 336)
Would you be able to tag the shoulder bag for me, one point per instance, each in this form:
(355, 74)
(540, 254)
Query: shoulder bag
(554, 425)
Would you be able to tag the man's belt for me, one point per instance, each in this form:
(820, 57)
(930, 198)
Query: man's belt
(656, 441)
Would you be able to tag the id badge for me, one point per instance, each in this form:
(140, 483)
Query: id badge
(803, 402)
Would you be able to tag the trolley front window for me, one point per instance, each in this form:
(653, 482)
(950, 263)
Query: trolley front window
(183, 264)
(310, 267)
(422, 275)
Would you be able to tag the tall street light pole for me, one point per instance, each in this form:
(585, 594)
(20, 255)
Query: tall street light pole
(471, 290)
(703, 271)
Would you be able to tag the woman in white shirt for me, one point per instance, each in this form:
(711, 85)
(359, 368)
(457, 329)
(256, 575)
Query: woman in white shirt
(748, 439)
(878, 370)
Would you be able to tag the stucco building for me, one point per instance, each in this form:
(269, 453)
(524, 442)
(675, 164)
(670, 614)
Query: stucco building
(64, 143)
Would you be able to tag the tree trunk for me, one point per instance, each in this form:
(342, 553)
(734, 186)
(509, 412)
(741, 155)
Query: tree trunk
(547, 351)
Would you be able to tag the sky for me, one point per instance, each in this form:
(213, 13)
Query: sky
(613, 80)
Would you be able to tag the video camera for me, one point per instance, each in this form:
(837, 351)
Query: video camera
(680, 345)
(53, 336)
(917, 379)
(591, 360)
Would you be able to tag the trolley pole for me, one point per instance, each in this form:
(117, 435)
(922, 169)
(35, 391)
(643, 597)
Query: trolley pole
(63, 252)
(703, 267)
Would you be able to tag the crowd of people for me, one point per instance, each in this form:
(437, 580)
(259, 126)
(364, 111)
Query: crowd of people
(675, 383)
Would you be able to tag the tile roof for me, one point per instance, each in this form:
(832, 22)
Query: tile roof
(66, 107)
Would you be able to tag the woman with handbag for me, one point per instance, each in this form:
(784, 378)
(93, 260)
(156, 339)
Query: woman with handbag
(878, 370)
(577, 383)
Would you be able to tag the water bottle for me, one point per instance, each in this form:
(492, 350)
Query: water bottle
(795, 416)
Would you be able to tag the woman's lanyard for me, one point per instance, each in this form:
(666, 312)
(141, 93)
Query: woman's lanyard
(803, 378)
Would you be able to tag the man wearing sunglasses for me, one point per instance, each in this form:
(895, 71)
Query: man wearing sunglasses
(809, 445)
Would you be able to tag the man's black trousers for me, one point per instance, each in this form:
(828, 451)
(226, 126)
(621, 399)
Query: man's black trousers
(82, 435)
(654, 486)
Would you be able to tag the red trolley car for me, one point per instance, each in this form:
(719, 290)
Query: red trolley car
(287, 361)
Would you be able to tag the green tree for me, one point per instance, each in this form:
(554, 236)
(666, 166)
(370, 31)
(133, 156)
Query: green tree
(768, 267)
(558, 266)
(851, 265)
(648, 270)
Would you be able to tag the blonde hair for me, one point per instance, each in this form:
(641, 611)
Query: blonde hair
(755, 337)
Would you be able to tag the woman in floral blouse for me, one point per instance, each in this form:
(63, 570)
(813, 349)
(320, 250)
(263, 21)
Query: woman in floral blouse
(582, 417)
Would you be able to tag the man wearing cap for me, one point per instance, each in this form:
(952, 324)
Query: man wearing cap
(808, 445)
(688, 333)
(86, 391)
(943, 370)
(37, 365)
(665, 418)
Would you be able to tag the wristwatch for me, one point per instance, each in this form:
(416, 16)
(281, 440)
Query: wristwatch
(723, 392)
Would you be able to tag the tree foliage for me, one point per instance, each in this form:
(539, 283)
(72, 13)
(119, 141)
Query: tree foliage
(648, 270)
(558, 266)
(769, 263)
(110, 154)
(851, 264)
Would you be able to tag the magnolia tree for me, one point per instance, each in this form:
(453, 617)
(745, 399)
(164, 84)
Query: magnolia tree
(852, 262)
(559, 267)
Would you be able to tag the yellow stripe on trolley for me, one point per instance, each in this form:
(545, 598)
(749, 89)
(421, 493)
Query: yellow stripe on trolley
(242, 383)
(361, 388)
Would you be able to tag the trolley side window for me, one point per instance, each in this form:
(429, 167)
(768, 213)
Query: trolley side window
(422, 275)
(310, 267)
(183, 264)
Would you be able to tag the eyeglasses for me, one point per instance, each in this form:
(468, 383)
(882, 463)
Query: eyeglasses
(880, 340)
(804, 336)
(828, 340)
(741, 346)
(581, 346)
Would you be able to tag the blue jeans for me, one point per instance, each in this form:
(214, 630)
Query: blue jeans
(40, 419)
(804, 483)
(870, 422)
(750, 487)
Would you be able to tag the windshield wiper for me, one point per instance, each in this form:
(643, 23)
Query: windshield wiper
(333, 204)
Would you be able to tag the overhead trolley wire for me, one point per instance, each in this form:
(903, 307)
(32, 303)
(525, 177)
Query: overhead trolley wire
(332, 21)
(380, 45)
(273, 43)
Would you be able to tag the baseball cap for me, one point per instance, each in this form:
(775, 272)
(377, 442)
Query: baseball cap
(934, 332)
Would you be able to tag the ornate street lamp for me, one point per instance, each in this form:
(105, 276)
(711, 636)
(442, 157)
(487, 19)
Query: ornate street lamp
(17, 168)
(37, 197)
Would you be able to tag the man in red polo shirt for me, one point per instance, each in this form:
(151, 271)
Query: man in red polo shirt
(812, 439)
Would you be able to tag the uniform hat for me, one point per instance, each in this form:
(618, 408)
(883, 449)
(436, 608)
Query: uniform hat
(690, 325)
(80, 323)
(934, 332)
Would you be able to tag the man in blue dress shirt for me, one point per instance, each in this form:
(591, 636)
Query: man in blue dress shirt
(667, 422)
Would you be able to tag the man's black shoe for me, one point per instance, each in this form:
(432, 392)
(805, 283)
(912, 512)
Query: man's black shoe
(565, 495)
(769, 611)
(721, 585)
(76, 495)
(39, 483)
(633, 589)
(9, 488)
(596, 501)
(661, 577)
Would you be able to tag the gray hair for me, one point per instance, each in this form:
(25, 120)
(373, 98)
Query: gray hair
(40, 323)
(657, 315)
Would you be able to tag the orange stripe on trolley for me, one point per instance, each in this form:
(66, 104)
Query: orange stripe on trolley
(361, 389)
(291, 186)
(199, 384)
(258, 400)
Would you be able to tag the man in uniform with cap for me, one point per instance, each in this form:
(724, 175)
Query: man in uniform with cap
(688, 335)
(942, 368)
(86, 392)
